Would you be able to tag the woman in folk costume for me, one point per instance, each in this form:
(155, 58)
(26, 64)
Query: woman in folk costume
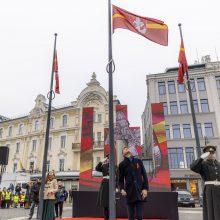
(103, 195)
(51, 187)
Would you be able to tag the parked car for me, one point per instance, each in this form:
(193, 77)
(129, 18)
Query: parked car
(185, 198)
(201, 200)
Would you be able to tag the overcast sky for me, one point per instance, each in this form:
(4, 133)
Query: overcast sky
(26, 48)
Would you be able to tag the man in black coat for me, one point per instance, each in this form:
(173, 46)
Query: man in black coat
(18, 189)
(34, 197)
(210, 172)
(133, 184)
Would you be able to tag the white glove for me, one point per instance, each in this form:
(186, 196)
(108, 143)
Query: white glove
(104, 159)
(205, 155)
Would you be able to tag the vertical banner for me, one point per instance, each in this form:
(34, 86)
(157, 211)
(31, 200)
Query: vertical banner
(161, 179)
(86, 181)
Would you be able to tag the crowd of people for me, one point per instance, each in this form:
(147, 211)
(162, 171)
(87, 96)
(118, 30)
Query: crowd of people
(26, 196)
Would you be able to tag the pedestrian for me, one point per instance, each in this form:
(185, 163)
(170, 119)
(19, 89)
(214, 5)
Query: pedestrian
(51, 187)
(27, 201)
(18, 189)
(16, 200)
(133, 184)
(22, 199)
(0, 196)
(8, 198)
(61, 196)
(3, 202)
(34, 197)
(209, 169)
(103, 195)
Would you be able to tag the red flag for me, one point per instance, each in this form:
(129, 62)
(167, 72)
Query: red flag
(150, 28)
(183, 64)
(57, 86)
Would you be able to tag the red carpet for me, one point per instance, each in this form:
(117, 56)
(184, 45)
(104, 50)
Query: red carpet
(87, 218)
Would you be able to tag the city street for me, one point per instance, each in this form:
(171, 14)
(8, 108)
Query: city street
(20, 214)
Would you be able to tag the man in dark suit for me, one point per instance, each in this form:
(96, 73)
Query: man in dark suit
(133, 184)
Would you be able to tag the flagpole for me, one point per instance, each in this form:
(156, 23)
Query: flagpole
(44, 166)
(110, 70)
(198, 147)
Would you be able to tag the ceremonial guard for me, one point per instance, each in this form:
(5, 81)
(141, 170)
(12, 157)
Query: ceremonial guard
(209, 169)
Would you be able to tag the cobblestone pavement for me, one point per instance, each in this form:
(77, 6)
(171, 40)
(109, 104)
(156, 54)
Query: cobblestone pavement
(21, 214)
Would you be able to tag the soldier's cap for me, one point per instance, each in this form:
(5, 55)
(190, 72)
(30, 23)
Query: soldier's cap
(209, 148)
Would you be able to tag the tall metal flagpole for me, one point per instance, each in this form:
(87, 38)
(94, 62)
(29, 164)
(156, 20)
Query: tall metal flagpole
(112, 209)
(44, 167)
(198, 148)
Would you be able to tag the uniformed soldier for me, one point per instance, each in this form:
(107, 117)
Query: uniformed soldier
(209, 169)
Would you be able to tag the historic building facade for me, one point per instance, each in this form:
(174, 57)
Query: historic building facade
(25, 136)
(163, 88)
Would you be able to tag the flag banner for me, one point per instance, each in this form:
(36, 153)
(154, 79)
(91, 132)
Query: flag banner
(183, 66)
(55, 69)
(150, 28)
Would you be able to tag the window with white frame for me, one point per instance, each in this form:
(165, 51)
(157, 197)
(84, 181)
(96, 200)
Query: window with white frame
(36, 125)
(204, 105)
(99, 138)
(165, 108)
(181, 88)
(217, 78)
(187, 131)
(1, 132)
(99, 118)
(34, 145)
(196, 106)
(176, 131)
(176, 158)
(63, 141)
(201, 84)
(167, 127)
(199, 129)
(161, 88)
(10, 131)
(18, 144)
(173, 108)
(190, 156)
(64, 120)
(49, 143)
(209, 130)
(48, 166)
(61, 165)
(51, 122)
(20, 129)
(192, 85)
(171, 87)
(183, 107)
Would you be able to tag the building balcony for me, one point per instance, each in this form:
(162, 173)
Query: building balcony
(75, 146)
(98, 145)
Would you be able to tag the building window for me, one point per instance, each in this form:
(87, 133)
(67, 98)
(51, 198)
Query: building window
(173, 108)
(171, 87)
(201, 84)
(34, 145)
(196, 106)
(49, 143)
(165, 108)
(15, 167)
(63, 141)
(167, 127)
(64, 120)
(61, 165)
(18, 147)
(199, 129)
(161, 88)
(51, 122)
(204, 105)
(1, 132)
(99, 138)
(10, 131)
(217, 78)
(209, 130)
(176, 132)
(20, 129)
(181, 88)
(48, 166)
(99, 118)
(183, 107)
(176, 159)
(36, 125)
(190, 156)
(192, 85)
(187, 131)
